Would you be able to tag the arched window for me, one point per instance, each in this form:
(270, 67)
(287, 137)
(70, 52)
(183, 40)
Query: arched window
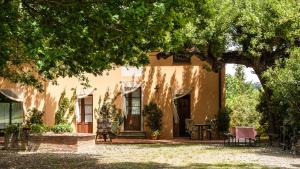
(11, 112)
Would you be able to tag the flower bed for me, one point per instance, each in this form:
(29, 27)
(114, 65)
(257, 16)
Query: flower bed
(65, 142)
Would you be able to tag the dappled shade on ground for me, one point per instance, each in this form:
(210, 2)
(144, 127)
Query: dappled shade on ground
(152, 156)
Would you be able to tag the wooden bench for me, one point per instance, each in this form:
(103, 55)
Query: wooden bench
(104, 130)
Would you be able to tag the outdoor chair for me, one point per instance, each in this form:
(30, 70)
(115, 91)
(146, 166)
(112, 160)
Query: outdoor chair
(191, 129)
(229, 138)
(212, 129)
(104, 130)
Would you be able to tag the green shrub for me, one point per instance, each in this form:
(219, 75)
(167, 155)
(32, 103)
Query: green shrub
(12, 128)
(284, 82)
(107, 110)
(37, 128)
(224, 120)
(62, 128)
(66, 108)
(153, 116)
(242, 98)
(35, 117)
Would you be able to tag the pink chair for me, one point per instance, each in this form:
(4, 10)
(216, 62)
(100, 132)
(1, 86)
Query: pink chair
(242, 133)
(246, 133)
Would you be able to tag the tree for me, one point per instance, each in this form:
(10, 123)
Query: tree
(251, 33)
(68, 38)
(242, 99)
(284, 80)
(44, 40)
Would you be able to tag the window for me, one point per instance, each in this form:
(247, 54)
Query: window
(181, 59)
(11, 112)
(133, 102)
(86, 109)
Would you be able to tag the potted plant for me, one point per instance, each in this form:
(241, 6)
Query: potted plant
(153, 116)
(155, 135)
(107, 112)
(224, 121)
(14, 137)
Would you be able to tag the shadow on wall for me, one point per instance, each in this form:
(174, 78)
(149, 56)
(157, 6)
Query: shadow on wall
(204, 95)
(34, 99)
(159, 87)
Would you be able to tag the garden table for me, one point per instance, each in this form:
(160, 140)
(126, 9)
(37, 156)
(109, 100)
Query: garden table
(200, 128)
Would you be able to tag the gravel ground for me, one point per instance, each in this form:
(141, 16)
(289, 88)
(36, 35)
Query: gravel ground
(154, 156)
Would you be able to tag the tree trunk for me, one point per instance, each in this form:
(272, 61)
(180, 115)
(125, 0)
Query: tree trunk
(274, 120)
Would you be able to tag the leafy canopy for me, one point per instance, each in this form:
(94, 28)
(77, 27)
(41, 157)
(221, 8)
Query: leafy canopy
(44, 40)
(284, 79)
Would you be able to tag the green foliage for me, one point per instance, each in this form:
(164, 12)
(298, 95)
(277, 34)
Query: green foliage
(66, 108)
(35, 121)
(37, 128)
(153, 116)
(35, 117)
(284, 80)
(271, 113)
(224, 120)
(242, 98)
(107, 110)
(62, 128)
(244, 110)
(239, 73)
(156, 133)
(12, 129)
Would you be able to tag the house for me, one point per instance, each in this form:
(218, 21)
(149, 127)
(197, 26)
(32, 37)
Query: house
(181, 87)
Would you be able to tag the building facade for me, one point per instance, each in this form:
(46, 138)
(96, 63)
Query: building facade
(182, 88)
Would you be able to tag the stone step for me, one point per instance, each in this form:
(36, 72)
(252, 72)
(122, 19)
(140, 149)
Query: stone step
(133, 135)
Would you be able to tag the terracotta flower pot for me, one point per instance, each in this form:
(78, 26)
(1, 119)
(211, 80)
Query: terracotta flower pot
(154, 137)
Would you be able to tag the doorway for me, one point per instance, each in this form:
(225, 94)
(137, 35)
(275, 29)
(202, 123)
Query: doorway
(85, 118)
(133, 106)
(183, 106)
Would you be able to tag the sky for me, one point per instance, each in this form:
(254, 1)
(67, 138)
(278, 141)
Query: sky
(250, 76)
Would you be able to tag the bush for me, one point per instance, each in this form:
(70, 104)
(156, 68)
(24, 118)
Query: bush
(107, 110)
(62, 128)
(12, 129)
(244, 110)
(224, 120)
(284, 82)
(35, 117)
(37, 128)
(66, 108)
(242, 98)
(153, 116)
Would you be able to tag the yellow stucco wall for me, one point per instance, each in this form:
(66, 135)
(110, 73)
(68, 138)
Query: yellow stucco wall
(160, 77)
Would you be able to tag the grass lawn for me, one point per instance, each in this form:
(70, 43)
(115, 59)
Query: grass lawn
(153, 156)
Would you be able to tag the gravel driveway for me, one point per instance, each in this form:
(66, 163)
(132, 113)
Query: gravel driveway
(154, 156)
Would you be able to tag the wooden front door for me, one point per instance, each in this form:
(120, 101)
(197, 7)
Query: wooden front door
(183, 106)
(85, 118)
(133, 106)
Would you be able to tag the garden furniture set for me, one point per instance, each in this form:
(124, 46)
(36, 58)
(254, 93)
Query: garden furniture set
(207, 128)
(242, 135)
